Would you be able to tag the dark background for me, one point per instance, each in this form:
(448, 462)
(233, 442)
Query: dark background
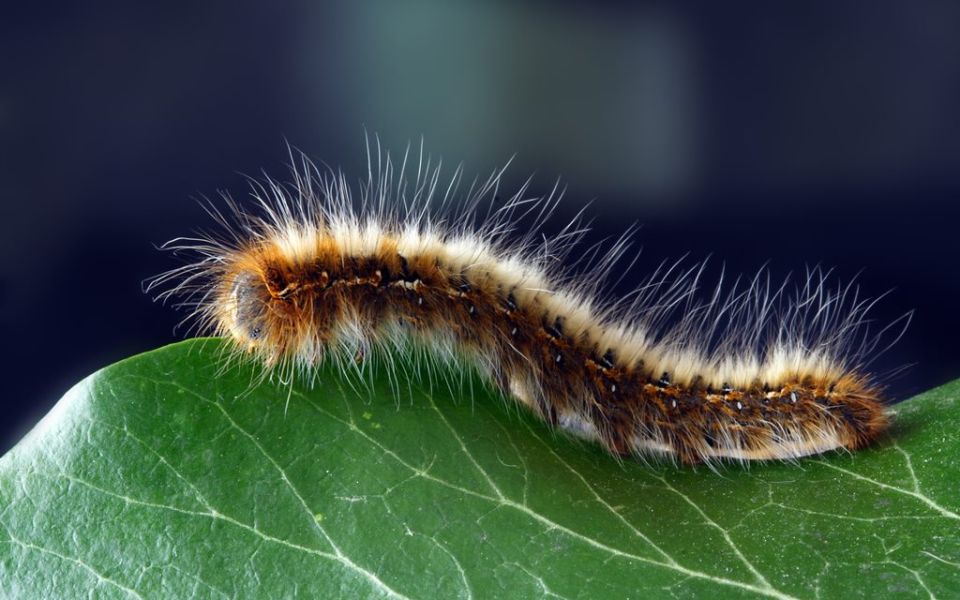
(826, 133)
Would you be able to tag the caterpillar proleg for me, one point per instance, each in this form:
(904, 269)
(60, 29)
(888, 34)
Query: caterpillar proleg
(319, 271)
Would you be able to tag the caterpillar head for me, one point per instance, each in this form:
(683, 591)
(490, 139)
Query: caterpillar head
(247, 309)
(264, 310)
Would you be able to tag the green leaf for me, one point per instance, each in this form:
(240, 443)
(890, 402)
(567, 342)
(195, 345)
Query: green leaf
(164, 476)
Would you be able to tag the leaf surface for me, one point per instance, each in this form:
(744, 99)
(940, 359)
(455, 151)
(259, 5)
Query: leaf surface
(164, 476)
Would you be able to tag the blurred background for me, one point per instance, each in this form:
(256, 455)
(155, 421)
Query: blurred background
(823, 133)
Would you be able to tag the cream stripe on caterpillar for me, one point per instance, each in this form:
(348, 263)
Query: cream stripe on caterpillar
(320, 272)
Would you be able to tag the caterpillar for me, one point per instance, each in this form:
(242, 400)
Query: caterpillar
(319, 271)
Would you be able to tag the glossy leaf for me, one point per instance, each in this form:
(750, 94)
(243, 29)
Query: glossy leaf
(162, 477)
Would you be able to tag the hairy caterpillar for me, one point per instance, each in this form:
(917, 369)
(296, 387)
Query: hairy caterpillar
(757, 372)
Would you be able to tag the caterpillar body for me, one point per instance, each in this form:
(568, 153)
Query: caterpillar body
(314, 273)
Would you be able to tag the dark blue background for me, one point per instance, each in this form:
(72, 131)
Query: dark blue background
(825, 134)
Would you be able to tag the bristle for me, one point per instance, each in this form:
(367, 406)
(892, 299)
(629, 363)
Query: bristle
(756, 371)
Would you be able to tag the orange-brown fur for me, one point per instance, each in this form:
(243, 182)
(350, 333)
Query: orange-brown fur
(572, 374)
(314, 277)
